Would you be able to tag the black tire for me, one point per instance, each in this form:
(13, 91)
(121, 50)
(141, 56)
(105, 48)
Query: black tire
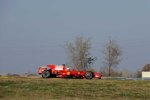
(89, 75)
(46, 74)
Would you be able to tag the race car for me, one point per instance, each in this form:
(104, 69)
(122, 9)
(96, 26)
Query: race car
(61, 71)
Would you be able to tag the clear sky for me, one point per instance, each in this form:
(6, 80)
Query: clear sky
(33, 32)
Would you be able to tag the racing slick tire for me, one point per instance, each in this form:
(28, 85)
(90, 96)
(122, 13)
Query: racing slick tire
(89, 75)
(46, 74)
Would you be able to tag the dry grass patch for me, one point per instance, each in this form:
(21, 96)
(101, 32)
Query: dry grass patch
(75, 89)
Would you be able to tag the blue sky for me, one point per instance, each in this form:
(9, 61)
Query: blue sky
(33, 32)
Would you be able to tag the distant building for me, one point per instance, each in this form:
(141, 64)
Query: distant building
(146, 75)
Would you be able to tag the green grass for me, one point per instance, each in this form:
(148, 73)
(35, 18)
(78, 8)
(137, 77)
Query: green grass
(73, 89)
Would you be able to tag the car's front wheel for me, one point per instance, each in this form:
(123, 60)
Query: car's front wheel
(89, 75)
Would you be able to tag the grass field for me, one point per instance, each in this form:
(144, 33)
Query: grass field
(73, 89)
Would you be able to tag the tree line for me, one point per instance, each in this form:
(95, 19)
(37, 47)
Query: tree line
(80, 57)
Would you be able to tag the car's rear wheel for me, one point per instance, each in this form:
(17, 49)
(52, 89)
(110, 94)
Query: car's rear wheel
(89, 75)
(46, 74)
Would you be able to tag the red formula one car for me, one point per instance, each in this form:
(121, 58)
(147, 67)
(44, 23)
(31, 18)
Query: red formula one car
(61, 71)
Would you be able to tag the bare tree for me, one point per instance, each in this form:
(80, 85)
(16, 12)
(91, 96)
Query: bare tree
(146, 67)
(78, 53)
(112, 53)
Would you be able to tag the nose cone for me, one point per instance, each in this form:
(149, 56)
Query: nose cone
(97, 75)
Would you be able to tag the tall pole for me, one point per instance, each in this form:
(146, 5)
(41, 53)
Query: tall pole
(109, 55)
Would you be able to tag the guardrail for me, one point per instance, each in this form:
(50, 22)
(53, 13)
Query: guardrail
(120, 78)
